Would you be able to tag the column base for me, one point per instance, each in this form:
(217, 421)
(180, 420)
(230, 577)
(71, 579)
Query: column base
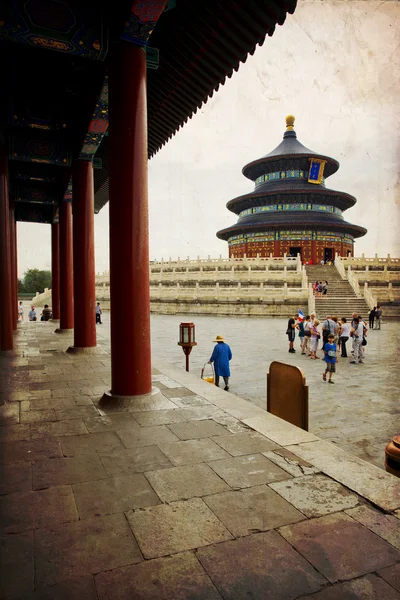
(112, 401)
(63, 331)
(54, 320)
(89, 350)
(12, 353)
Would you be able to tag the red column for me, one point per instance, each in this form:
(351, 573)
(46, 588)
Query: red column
(6, 312)
(14, 270)
(55, 270)
(83, 245)
(129, 238)
(314, 252)
(66, 267)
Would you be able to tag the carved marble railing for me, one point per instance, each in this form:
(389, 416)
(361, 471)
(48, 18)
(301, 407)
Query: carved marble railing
(353, 281)
(311, 299)
(339, 264)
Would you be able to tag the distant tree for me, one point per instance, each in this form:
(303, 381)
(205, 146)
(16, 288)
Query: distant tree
(21, 287)
(36, 281)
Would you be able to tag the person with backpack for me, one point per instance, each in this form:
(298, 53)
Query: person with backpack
(328, 326)
(357, 332)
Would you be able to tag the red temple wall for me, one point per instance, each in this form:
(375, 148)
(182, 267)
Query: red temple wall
(310, 249)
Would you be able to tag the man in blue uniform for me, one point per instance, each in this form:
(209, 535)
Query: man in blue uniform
(221, 356)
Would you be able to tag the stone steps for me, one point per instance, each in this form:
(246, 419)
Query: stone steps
(341, 299)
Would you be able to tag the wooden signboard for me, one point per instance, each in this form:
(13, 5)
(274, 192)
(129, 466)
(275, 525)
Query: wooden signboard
(287, 394)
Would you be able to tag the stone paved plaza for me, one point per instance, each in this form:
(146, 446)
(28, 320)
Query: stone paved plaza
(190, 494)
(360, 413)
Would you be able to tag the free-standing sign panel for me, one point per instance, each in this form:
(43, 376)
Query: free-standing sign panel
(287, 394)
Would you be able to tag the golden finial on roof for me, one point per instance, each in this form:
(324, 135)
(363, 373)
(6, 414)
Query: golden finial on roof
(289, 122)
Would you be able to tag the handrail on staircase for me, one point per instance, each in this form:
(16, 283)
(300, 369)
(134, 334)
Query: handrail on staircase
(311, 299)
(353, 281)
(369, 297)
(339, 266)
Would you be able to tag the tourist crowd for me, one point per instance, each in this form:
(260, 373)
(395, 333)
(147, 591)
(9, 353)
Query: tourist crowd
(331, 337)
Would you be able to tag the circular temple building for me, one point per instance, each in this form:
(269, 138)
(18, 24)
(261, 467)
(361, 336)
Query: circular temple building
(290, 210)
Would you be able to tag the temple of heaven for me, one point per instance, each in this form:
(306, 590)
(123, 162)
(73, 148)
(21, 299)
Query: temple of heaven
(290, 210)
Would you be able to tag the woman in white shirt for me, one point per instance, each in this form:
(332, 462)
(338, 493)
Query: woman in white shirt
(344, 335)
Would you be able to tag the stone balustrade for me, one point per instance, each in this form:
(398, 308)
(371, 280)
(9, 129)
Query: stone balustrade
(376, 279)
(363, 261)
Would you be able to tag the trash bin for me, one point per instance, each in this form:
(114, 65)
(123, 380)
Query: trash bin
(392, 456)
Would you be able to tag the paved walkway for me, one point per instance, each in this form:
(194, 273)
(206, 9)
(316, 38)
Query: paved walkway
(190, 494)
(360, 413)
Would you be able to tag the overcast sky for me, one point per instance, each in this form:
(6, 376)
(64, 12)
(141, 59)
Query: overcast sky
(335, 66)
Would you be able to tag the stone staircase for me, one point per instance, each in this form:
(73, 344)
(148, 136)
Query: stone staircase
(341, 299)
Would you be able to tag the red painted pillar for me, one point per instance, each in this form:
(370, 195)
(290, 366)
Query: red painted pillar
(55, 271)
(6, 312)
(83, 246)
(14, 270)
(314, 252)
(129, 238)
(66, 267)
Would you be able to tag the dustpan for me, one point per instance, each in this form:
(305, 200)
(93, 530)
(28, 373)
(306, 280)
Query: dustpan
(208, 377)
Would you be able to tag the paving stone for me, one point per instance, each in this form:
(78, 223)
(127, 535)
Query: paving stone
(376, 485)
(178, 577)
(59, 428)
(197, 429)
(386, 526)
(193, 451)
(290, 462)
(12, 433)
(113, 495)
(78, 412)
(260, 567)
(83, 547)
(315, 495)
(369, 587)
(15, 478)
(147, 436)
(339, 547)
(63, 401)
(246, 471)
(137, 405)
(159, 417)
(279, 430)
(9, 413)
(16, 565)
(79, 588)
(66, 471)
(188, 400)
(38, 416)
(166, 381)
(199, 413)
(180, 483)
(87, 444)
(42, 389)
(170, 528)
(249, 442)
(27, 450)
(251, 510)
(85, 401)
(392, 576)
(230, 423)
(179, 392)
(32, 510)
(99, 424)
(134, 460)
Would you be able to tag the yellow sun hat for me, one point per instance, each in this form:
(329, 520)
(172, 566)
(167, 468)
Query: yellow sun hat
(219, 338)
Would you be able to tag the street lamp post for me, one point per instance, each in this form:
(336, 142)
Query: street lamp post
(187, 339)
